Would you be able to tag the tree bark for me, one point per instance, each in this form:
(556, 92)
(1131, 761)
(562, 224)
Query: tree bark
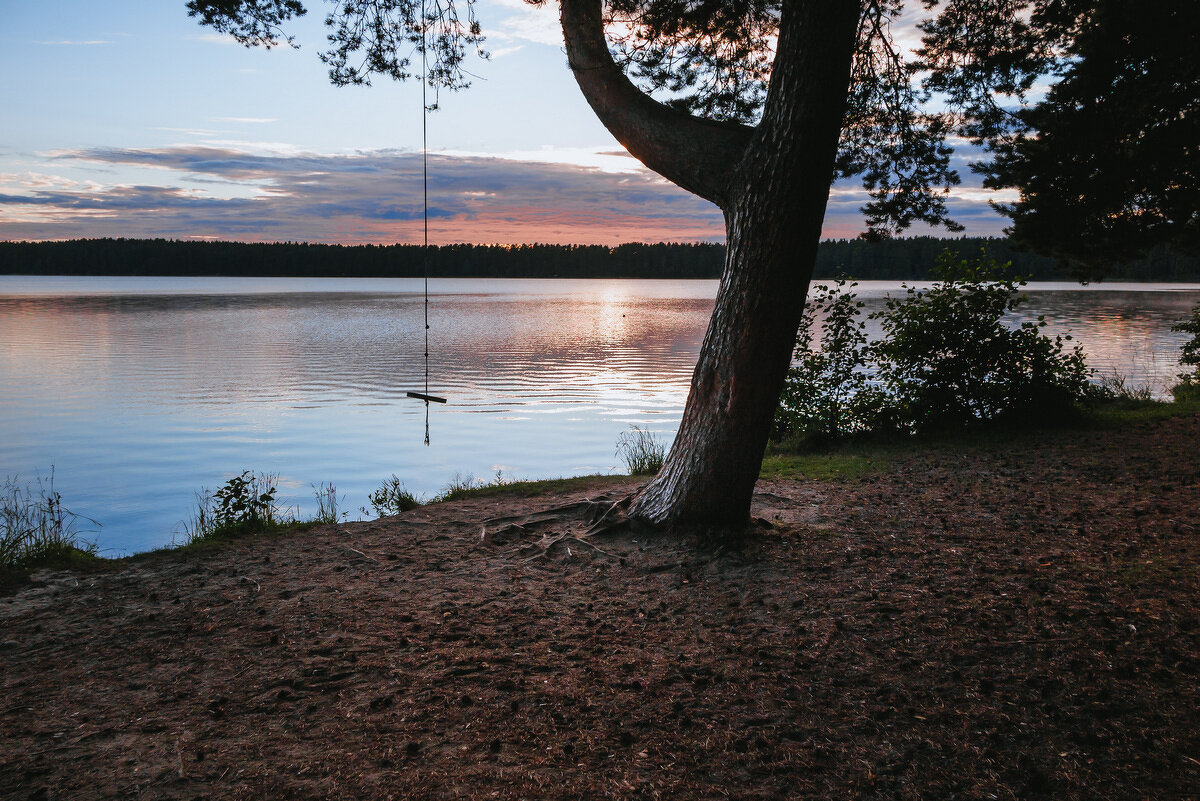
(773, 185)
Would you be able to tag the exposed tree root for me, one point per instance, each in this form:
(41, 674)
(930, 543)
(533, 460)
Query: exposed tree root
(553, 532)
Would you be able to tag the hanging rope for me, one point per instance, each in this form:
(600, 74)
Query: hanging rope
(425, 396)
(425, 199)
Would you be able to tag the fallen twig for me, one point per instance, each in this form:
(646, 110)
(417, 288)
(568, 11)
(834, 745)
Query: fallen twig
(360, 553)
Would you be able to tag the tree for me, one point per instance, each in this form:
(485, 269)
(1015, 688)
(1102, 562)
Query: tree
(1108, 161)
(762, 104)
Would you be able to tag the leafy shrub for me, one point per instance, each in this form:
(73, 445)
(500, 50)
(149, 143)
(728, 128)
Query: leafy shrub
(947, 360)
(828, 393)
(642, 452)
(392, 498)
(36, 528)
(244, 505)
(1188, 388)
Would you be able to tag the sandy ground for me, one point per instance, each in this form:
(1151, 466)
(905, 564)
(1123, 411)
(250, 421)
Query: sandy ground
(1017, 620)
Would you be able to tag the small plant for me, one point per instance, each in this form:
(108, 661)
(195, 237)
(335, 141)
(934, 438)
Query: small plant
(460, 484)
(827, 393)
(1188, 388)
(244, 505)
(642, 452)
(327, 503)
(1116, 387)
(35, 527)
(392, 498)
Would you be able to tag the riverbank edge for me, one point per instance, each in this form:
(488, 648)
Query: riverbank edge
(832, 461)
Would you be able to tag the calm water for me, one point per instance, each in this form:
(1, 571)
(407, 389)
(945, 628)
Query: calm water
(141, 391)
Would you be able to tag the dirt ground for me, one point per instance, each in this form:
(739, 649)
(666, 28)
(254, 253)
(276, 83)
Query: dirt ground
(1016, 620)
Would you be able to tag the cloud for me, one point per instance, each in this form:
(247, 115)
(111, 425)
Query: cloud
(358, 197)
(74, 43)
(525, 23)
(501, 52)
(256, 194)
(245, 120)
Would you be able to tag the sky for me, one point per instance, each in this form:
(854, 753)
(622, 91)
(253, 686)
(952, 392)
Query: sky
(127, 119)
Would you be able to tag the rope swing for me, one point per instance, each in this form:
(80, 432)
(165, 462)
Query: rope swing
(425, 396)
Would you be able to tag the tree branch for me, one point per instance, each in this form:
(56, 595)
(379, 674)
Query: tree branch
(697, 154)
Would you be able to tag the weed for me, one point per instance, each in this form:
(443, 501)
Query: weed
(392, 498)
(642, 452)
(459, 485)
(327, 503)
(1116, 387)
(244, 505)
(35, 527)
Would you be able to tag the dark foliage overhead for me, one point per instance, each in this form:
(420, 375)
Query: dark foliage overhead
(1105, 160)
(251, 22)
(1108, 164)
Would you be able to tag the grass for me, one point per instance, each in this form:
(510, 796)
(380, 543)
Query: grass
(528, 489)
(642, 452)
(1117, 389)
(1124, 411)
(36, 530)
(328, 503)
(820, 466)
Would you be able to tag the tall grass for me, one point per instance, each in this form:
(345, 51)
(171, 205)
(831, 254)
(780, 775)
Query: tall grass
(35, 527)
(1116, 387)
(642, 452)
(328, 503)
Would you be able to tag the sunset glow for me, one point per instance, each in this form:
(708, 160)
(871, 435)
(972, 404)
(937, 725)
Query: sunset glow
(136, 123)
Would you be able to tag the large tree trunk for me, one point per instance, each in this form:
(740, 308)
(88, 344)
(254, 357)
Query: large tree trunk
(772, 183)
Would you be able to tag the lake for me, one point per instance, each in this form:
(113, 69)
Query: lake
(141, 391)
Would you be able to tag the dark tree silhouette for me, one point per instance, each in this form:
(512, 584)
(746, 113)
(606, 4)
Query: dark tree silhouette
(1108, 162)
(755, 105)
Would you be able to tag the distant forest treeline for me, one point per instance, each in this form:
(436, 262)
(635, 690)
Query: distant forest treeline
(893, 259)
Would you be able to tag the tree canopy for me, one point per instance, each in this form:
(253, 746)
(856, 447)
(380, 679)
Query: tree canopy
(1108, 162)
(1087, 107)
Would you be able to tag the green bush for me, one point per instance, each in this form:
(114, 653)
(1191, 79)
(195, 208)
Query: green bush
(945, 360)
(392, 498)
(828, 393)
(1188, 388)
